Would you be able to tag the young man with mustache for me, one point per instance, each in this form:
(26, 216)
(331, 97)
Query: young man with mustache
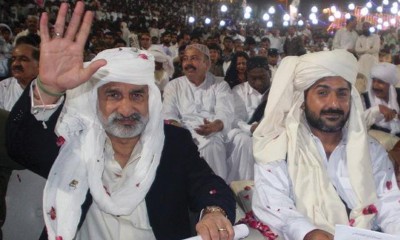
(316, 165)
(203, 104)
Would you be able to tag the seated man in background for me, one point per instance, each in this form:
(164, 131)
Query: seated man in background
(381, 99)
(143, 176)
(248, 97)
(203, 104)
(316, 166)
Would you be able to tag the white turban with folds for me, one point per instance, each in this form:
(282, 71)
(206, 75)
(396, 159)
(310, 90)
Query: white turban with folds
(284, 134)
(80, 163)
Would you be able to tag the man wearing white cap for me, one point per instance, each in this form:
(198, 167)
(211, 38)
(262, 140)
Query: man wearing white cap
(381, 99)
(203, 104)
(135, 178)
(316, 166)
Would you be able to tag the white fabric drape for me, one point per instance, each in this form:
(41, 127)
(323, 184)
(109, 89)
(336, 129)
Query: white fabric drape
(284, 131)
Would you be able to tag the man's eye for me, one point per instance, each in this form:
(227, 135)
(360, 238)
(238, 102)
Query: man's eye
(137, 96)
(113, 95)
(322, 93)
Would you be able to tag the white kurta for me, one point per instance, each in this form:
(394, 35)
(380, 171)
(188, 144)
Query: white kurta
(273, 70)
(368, 45)
(345, 39)
(10, 91)
(190, 105)
(240, 147)
(104, 226)
(276, 42)
(274, 203)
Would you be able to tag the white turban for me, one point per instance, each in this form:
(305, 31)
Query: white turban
(386, 72)
(284, 134)
(80, 163)
(166, 60)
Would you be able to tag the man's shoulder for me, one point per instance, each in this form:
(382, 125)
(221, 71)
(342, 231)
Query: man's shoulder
(176, 82)
(176, 138)
(375, 148)
(6, 83)
(240, 87)
(217, 81)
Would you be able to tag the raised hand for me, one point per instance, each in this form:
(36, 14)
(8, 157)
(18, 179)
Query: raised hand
(61, 57)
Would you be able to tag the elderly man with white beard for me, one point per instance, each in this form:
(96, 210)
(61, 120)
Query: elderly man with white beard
(135, 177)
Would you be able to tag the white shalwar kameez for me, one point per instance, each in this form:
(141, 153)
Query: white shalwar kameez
(367, 49)
(103, 226)
(345, 39)
(240, 149)
(10, 91)
(274, 203)
(190, 105)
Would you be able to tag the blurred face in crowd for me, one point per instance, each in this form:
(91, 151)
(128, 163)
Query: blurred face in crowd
(259, 79)
(241, 65)
(291, 31)
(327, 104)
(194, 40)
(24, 67)
(167, 39)
(238, 43)
(32, 24)
(380, 89)
(109, 39)
(365, 29)
(195, 65)
(228, 44)
(214, 55)
(123, 109)
(6, 34)
(145, 41)
(154, 40)
(262, 52)
(173, 39)
(265, 44)
(186, 39)
(273, 59)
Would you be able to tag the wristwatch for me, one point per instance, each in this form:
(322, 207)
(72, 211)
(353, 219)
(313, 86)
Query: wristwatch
(211, 209)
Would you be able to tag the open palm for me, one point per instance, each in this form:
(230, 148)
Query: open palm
(61, 57)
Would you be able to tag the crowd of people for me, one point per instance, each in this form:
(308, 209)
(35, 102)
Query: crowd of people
(133, 115)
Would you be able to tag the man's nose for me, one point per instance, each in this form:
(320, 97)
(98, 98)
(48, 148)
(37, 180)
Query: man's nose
(333, 100)
(126, 108)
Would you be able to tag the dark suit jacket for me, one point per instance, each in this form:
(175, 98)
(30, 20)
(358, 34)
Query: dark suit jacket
(183, 182)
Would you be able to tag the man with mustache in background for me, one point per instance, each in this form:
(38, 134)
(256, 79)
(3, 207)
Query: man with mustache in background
(203, 104)
(316, 165)
(24, 68)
